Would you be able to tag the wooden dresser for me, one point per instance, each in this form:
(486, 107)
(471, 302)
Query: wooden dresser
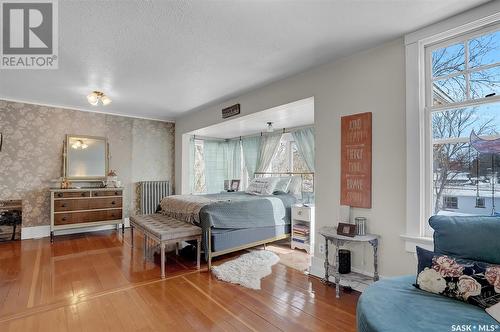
(76, 208)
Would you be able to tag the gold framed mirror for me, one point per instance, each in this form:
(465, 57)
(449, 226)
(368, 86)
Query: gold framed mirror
(86, 158)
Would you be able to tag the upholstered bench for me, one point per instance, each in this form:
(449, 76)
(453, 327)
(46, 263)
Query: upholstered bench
(164, 230)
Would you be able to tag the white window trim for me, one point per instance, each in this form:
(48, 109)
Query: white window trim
(417, 132)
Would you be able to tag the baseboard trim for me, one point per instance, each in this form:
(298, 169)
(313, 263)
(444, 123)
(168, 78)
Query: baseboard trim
(37, 232)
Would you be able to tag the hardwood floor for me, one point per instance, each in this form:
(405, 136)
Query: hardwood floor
(96, 282)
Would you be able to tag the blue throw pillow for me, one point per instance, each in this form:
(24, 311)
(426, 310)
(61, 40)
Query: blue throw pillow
(471, 237)
(477, 283)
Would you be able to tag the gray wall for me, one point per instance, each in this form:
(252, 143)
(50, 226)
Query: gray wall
(140, 150)
(370, 81)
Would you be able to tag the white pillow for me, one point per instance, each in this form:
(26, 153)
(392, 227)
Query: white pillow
(262, 186)
(295, 186)
(283, 183)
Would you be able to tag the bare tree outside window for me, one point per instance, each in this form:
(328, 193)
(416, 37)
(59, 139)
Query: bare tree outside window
(463, 71)
(199, 168)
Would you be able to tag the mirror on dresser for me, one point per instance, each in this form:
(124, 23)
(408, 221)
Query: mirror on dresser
(85, 158)
(85, 202)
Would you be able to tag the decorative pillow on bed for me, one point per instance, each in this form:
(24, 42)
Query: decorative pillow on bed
(477, 283)
(295, 186)
(283, 184)
(262, 186)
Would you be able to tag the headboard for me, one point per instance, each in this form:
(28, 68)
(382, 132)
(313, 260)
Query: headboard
(307, 178)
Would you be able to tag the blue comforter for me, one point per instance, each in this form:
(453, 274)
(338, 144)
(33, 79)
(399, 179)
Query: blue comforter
(242, 210)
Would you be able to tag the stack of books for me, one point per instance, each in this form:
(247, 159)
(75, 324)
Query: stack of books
(300, 233)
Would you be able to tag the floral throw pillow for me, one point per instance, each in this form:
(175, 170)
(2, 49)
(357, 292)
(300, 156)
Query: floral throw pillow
(477, 283)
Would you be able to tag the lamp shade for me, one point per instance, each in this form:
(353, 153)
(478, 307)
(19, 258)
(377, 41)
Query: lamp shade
(93, 98)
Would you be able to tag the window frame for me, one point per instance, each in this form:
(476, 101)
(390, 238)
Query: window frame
(418, 123)
(429, 108)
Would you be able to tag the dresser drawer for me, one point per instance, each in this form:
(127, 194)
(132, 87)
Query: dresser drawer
(86, 217)
(113, 214)
(71, 194)
(105, 203)
(301, 213)
(64, 219)
(105, 193)
(71, 204)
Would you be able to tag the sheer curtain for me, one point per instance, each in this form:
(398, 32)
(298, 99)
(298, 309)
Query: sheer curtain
(251, 146)
(215, 165)
(268, 145)
(233, 158)
(222, 162)
(191, 164)
(305, 144)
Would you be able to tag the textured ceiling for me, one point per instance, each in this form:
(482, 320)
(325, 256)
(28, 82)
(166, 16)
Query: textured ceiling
(159, 59)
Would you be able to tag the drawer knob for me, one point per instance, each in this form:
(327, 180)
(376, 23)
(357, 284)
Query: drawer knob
(83, 194)
(299, 213)
(96, 194)
(63, 219)
(116, 193)
(63, 205)
(113, 203)
(59, 195)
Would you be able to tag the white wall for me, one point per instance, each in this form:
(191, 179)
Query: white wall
(370, 81)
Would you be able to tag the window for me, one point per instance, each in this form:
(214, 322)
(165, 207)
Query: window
(199, 167)
(450, 202)
(288, 159)
(462, 96)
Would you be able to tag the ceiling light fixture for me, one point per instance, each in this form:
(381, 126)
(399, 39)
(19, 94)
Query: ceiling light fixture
(79, 144)
(270, 128)
(97, 96)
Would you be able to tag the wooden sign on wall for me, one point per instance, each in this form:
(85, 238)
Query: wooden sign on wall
(356, 160)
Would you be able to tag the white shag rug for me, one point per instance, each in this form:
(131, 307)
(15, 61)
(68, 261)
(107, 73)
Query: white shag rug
(248, 269)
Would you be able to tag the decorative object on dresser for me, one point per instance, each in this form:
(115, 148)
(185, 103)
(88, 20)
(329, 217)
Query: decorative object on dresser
(77, 208)
(112, 180)
(11, 214)
(303, 229)
(330, 235)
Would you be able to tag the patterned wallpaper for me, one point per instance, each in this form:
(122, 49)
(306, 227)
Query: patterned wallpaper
(31, 157)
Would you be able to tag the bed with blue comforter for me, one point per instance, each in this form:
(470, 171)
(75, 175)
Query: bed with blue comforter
(234, 219)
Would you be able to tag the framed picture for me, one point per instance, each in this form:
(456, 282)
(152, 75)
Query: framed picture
(346, 229)
(235, 185)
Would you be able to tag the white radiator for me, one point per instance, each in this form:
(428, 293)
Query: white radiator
(152, 192)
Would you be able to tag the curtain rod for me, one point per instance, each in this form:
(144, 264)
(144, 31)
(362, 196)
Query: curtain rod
(283, 131)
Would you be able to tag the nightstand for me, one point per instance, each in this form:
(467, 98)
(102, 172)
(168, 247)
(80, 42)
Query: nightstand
(303, 230)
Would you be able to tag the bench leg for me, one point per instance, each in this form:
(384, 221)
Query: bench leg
(209, 249)
(162, 254)
(198, 252)
(131, 236)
